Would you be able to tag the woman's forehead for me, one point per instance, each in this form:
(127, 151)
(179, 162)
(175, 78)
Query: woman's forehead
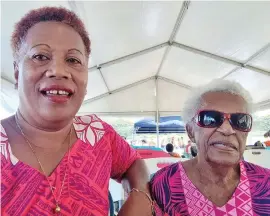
(224, 102)
(55, 34)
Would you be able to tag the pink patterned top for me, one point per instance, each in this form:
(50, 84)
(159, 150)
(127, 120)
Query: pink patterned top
(176, 195)
(98, 154)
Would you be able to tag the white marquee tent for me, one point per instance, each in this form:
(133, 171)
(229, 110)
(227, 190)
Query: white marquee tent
(146, 56)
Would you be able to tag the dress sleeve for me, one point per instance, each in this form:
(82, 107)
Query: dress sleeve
(123, 155)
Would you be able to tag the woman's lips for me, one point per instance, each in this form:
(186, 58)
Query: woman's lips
(57, 95)
(224, 146)
(58, 98)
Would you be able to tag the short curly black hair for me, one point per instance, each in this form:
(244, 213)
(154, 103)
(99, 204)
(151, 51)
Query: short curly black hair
(169, 147)
(45, 14)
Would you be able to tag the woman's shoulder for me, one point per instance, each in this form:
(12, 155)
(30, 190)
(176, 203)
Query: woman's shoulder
(91, 121)
(3, 128)
(253, 169)
(165, 174)
(167, 190)
(91, 129)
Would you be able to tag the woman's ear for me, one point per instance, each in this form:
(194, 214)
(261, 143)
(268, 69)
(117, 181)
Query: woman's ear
(190, 131)
(16, 73)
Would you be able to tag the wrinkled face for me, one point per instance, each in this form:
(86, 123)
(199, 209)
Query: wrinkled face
(211, 141)
(52, 71)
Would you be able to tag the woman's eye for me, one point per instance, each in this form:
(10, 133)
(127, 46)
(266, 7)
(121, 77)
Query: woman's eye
(73, 61)
(40, 57)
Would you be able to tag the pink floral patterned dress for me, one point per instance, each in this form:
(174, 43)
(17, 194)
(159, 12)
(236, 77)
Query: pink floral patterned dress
(98, 155)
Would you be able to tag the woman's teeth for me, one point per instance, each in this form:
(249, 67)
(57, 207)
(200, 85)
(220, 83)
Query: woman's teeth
(57, 92)
(219, 144)
(224, 145)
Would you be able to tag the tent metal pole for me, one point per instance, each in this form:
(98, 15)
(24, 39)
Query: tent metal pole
(101, 74)
(178, 22)
(252, 58)
(219, 58)
(135, 84)
(157, 111)
(130, 56)
(175, 82)
(119, 89)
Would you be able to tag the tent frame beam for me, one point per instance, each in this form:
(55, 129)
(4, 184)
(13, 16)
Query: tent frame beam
(128, 57)
(175, 30)
(179, 20)
(135, 84)
(157, 110)
(104, 81)
(189, 49)
(219, 58)
(175, 82)
(119, 89)
(252, 58)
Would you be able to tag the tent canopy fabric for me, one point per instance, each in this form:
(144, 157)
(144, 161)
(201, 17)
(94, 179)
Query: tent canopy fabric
(168, 124)
(147, 56)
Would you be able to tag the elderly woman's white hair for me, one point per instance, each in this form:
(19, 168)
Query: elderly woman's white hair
(195, 99)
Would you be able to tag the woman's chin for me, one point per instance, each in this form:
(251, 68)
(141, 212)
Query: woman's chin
(57, 116)
(224, 160)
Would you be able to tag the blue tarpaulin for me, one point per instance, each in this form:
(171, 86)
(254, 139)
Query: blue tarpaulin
(168, 124)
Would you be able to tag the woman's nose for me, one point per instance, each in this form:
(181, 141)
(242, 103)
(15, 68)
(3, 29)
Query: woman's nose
(226, 128)
(58, 70)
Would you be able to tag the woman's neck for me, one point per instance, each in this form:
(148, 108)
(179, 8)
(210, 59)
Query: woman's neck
(44, 137)
(217, 174)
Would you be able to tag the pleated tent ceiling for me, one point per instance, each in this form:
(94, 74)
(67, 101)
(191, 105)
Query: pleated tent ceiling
(146, 56)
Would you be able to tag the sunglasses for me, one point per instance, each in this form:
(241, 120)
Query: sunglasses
(214, 119)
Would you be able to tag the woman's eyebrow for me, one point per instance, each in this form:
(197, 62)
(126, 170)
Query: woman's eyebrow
(74, 49)
(40, 45)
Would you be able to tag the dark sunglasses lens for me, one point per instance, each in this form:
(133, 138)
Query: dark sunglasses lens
(210, 118)
(241, 121)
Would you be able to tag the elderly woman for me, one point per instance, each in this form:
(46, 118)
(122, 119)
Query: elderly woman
(217, 182)
(53, 162)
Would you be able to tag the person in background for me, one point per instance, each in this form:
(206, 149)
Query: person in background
(170, 148)
(217, 181)
(267, 142)
(259, 144)
(53, 163)
(182, 143)
(187, 151)
(144, 142)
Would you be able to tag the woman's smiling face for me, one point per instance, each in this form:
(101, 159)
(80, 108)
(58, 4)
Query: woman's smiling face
(52, 71)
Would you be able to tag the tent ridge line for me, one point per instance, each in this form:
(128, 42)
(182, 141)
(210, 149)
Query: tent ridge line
(102, 77)
(128, 57)
(182, 13)
(175, 82)
(249, 60)
(7, 80)
(135, 84)
(164, 57)
(266, 102)
(175, 30)
(261, 105)
(119, 89)
(219, 58)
